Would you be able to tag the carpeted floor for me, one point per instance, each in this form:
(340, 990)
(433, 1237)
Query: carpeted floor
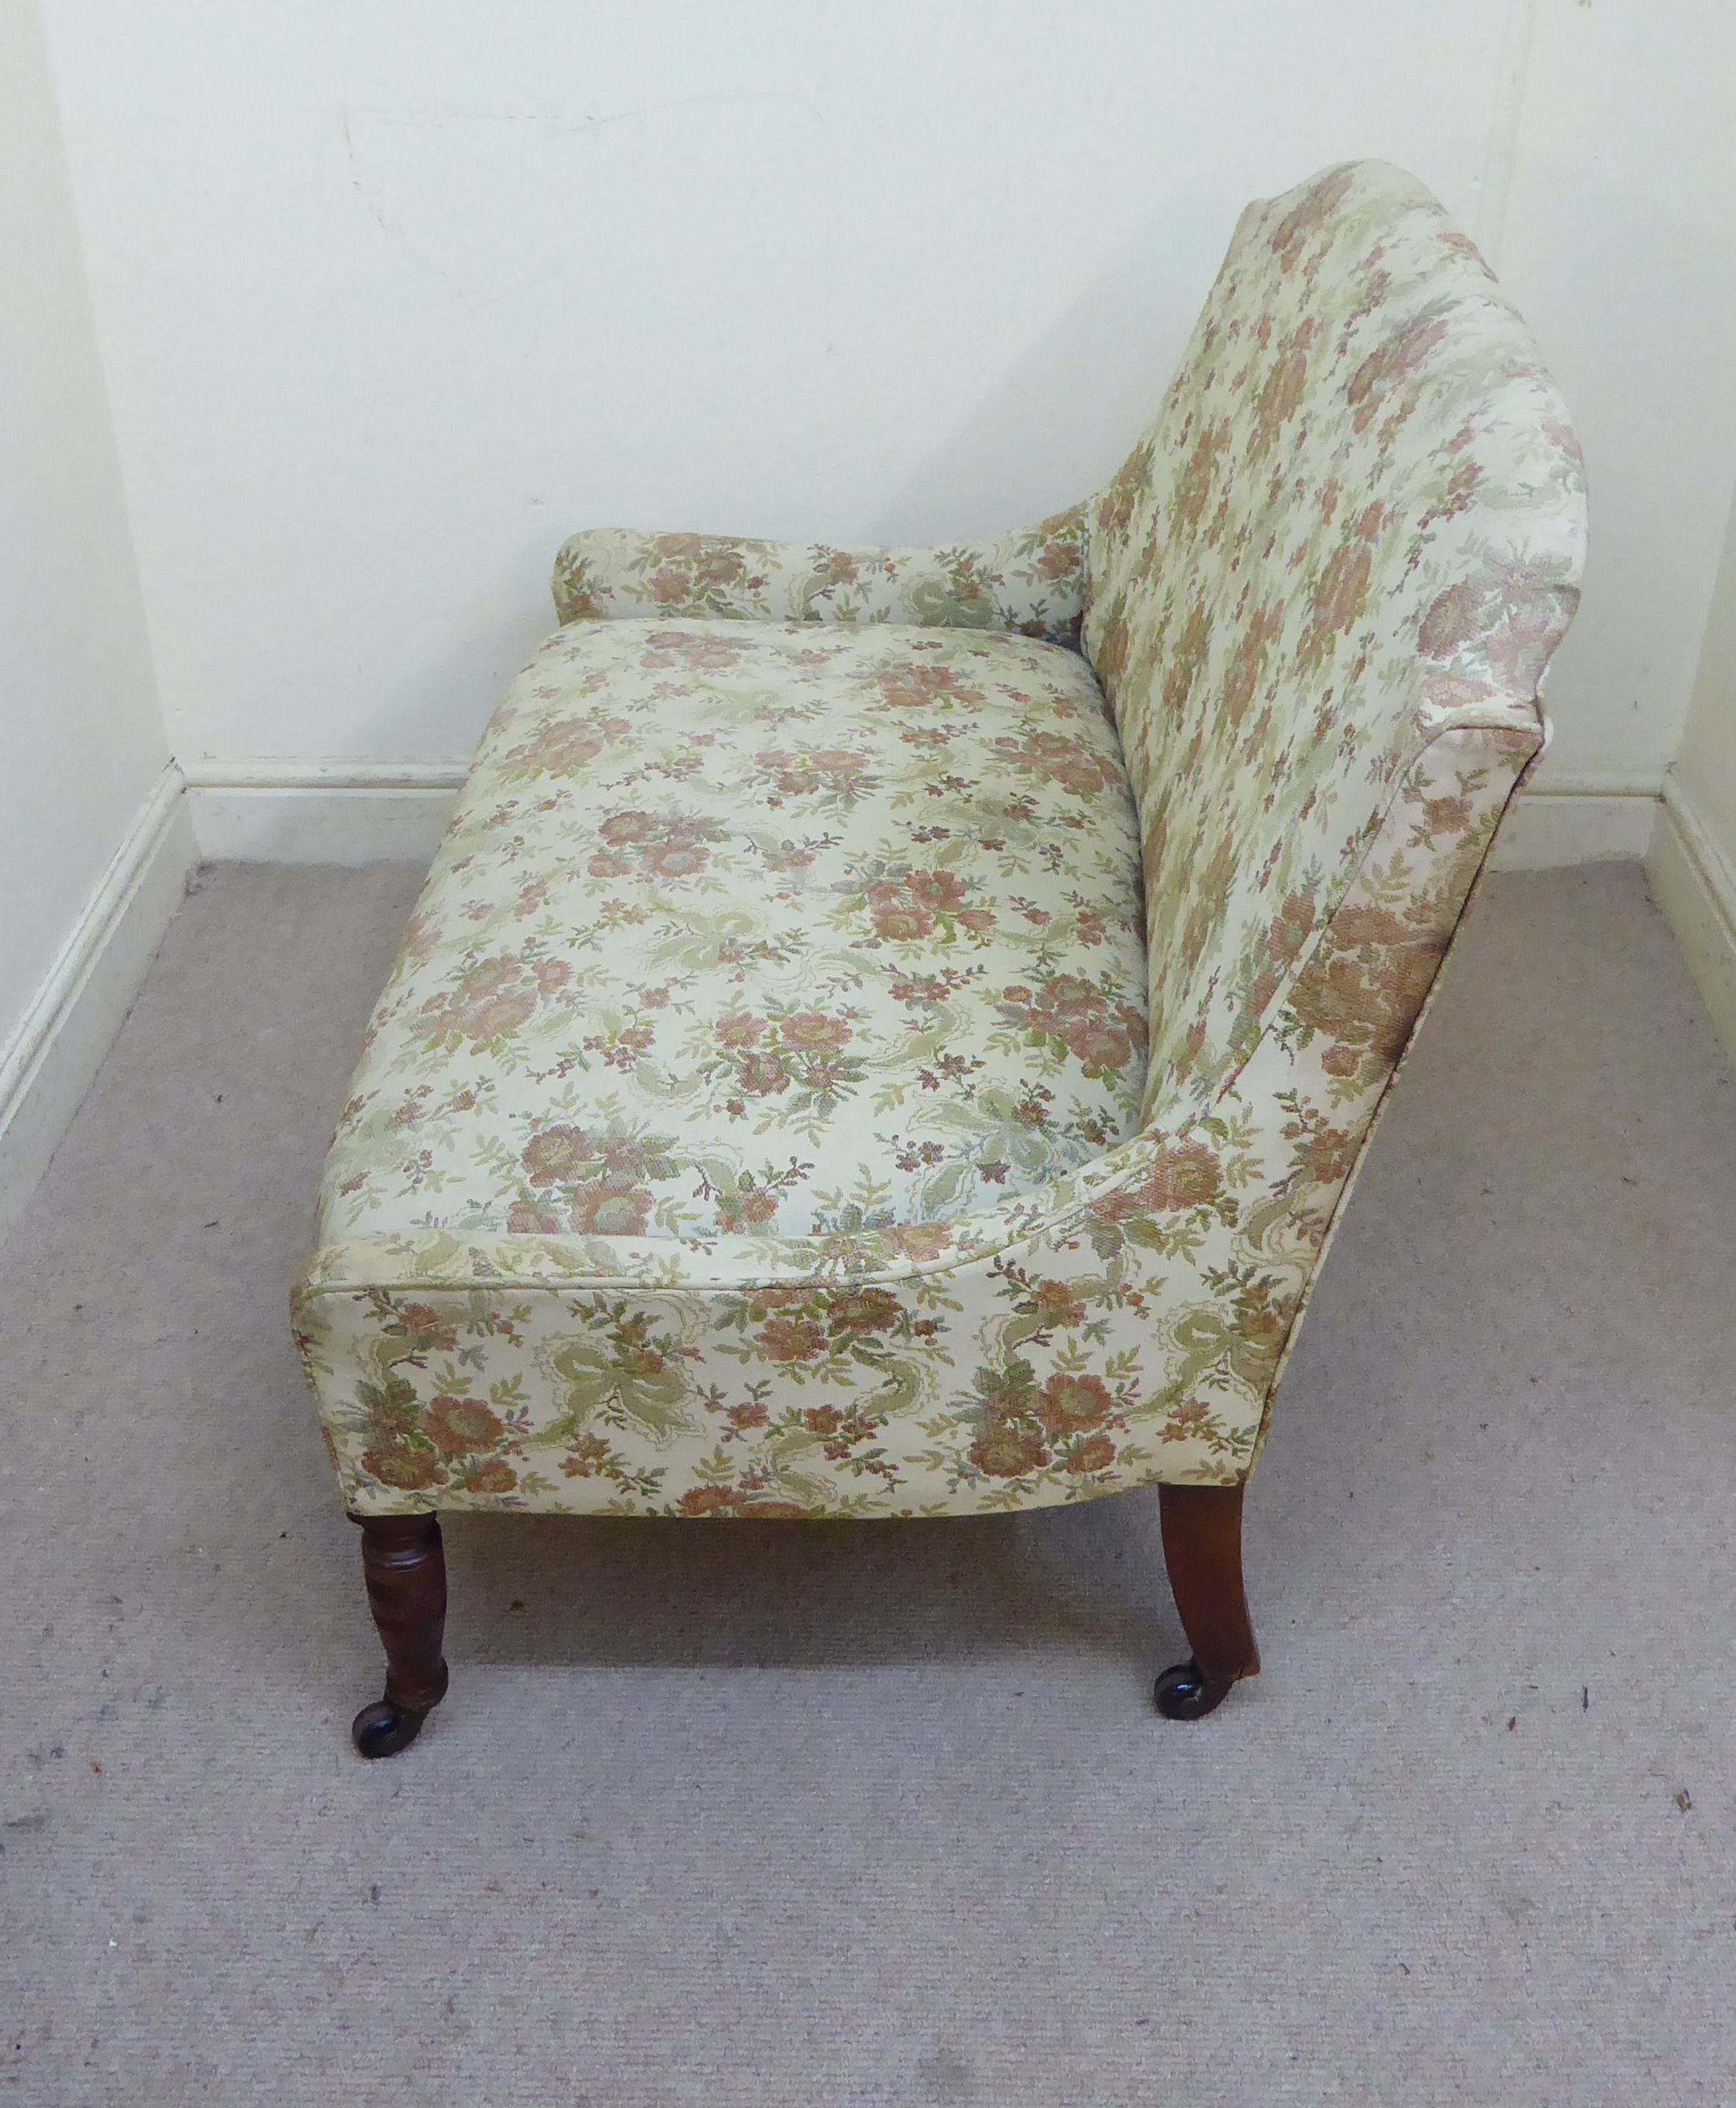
(781, 1816)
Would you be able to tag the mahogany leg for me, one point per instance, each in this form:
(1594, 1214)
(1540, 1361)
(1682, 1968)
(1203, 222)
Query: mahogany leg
(1202, 1549)
(405, 1567)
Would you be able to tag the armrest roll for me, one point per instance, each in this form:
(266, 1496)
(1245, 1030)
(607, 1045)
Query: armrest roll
(1030, 580)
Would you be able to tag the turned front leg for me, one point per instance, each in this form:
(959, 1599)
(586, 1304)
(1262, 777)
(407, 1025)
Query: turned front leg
(1202, 1549)
(404, 1564)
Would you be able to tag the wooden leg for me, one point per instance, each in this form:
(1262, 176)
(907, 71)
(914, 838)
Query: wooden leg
(1202, 1550)
(405, 1567)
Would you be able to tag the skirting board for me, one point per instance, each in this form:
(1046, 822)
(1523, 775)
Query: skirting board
(338, 813)
(325, 815)
(1694, 886)
(1548, 829)
(52, 1057)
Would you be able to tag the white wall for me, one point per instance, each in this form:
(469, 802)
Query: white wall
(393, 296)
(1620, 246)
(1693, 861)
(85, 747)
(1705, 766)
(388, 297)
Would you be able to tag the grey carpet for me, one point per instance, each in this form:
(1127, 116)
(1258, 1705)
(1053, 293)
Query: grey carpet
(736, 1814)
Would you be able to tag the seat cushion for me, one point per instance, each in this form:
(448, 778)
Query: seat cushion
(764, 928)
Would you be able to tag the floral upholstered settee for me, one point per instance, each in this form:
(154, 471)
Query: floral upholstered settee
(888, 1032)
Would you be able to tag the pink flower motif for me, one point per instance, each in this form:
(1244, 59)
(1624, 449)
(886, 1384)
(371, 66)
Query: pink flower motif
(938, 891)
(763, 1076)
(902, 924)
(623, 830)
(676, 859)
(558, 1156)
(791, 1339)
(1100, 1046)
(813, 1032)
(915, 687)
(1455, 616)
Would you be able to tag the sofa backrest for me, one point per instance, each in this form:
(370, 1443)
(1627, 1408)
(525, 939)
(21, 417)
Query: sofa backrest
(1357, 521)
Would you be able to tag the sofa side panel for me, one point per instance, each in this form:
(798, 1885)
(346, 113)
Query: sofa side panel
(1354, 1014)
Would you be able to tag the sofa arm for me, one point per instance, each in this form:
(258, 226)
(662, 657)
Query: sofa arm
(1031, 580)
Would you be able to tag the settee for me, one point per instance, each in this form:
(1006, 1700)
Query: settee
(889, 1031)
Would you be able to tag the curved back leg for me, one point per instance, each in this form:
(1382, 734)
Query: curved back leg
(1202, 1549)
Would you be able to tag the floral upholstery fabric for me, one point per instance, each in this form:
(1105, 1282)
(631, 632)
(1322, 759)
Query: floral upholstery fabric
(1322, 639)
(761, 928)
(1030, 581)
(1124, 1324)
(1357, 521)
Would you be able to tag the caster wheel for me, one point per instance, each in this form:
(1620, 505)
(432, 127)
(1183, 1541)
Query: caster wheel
(1184, 1693)
(384, 1729)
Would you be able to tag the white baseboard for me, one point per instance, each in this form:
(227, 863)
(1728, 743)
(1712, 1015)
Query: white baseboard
(322, 812)
(1570, 824)
(1694, 884)
(52, 1058)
